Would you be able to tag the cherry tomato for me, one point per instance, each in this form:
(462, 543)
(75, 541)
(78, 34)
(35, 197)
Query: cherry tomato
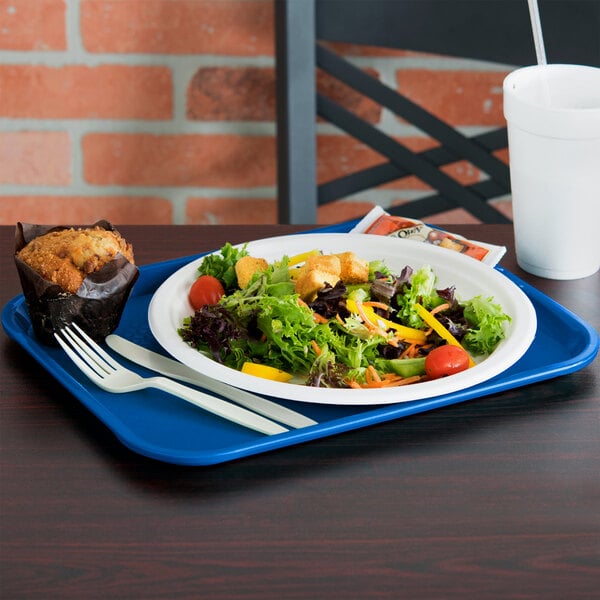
(206, 290)
(446, 360)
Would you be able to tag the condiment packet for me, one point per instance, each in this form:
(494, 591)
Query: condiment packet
(380, 222)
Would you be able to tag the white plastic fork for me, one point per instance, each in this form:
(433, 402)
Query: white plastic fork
(111, 376)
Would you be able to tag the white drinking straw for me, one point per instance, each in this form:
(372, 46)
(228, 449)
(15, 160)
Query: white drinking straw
(536, 27)
(538, 40)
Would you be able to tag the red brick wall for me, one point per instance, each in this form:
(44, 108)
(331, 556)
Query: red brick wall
(160, 111)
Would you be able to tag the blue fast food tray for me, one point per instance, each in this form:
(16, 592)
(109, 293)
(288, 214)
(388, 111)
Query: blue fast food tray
(164, 428)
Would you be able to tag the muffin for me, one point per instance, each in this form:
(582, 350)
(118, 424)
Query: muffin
(81, 274)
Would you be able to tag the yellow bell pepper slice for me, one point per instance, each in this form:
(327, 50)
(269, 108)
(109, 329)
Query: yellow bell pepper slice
(439, 328)
(406, 333)
(299, 258)
(265, 371)
(295, 263)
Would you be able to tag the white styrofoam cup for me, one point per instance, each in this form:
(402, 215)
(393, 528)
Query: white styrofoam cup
(553, 117)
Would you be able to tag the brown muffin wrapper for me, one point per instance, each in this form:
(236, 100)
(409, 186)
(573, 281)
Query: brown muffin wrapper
(96, 307)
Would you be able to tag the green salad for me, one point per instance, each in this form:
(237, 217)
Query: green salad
(295, 320)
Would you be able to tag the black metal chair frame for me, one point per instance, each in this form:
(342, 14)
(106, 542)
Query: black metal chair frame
(300, 26)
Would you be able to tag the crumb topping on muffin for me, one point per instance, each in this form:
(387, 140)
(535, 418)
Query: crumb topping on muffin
(67, 256)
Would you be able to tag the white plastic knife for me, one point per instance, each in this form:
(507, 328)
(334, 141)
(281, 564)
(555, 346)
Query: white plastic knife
(171, 368)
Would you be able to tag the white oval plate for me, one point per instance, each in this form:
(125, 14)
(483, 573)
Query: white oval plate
(169, 306)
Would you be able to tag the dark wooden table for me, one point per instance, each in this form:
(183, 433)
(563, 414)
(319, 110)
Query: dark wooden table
(492, 498)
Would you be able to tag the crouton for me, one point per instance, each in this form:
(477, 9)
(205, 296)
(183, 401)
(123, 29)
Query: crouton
(246, 267)
(311, 281)
(316, 271)
(353, 269)
(328, 263)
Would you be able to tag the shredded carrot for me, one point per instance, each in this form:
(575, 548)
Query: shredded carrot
(372, 327)
(372, 384)
(372, 319)
(376, 330)
(316, 347)
(408, 351)
(439, 308)
(374, 373)
(368, 323)
(390, 376)
(374, 304)
(339, 319)
(404, 380)
(374, 380)
(390, 380)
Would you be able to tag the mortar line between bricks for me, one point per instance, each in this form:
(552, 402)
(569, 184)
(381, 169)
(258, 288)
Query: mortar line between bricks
(73, 34)
(90, 189)
(81, 57)
(139, 126)
(76, 158)
(391, 126)
(76, 54)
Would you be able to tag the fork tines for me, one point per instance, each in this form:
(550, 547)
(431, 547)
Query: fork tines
(84, 351)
